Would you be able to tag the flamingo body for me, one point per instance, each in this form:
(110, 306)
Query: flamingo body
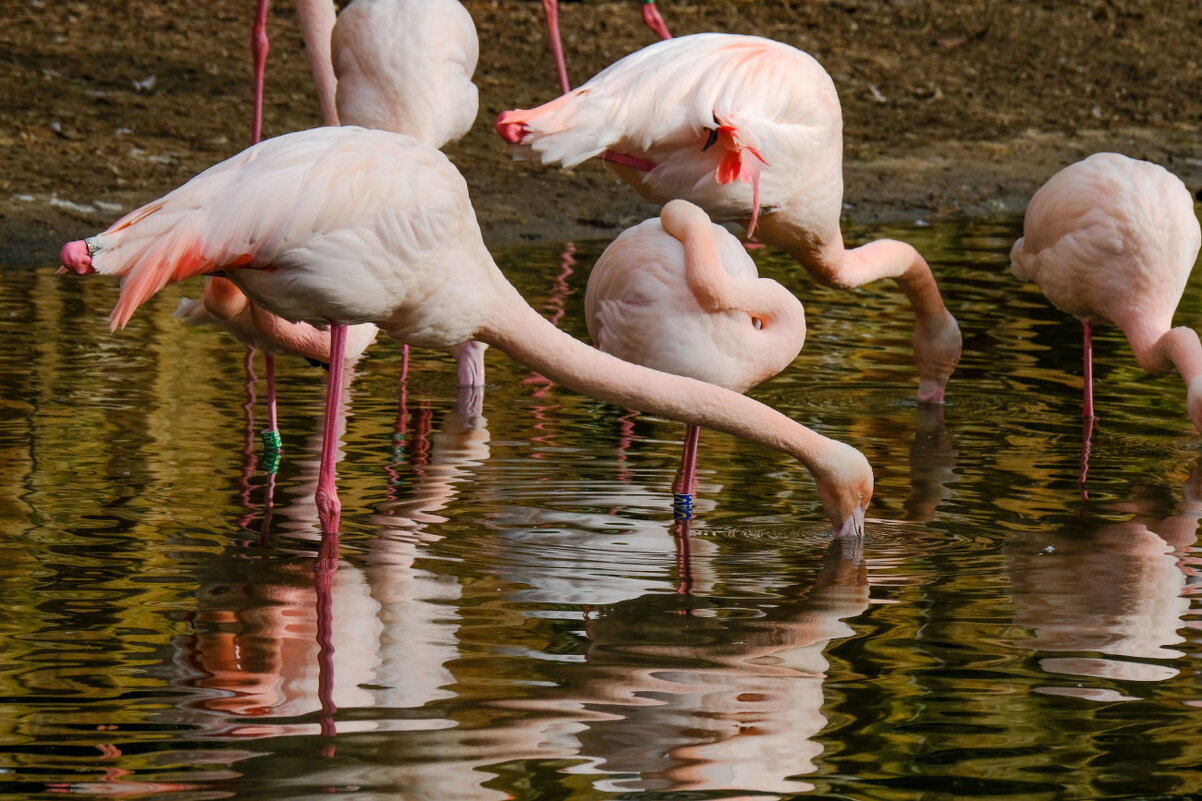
(750, 130)
(660, 104)
(407, 66)
(1112, 240)
(348, 225)
(640, 306)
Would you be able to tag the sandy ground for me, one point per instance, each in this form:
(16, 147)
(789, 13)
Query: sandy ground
(950, 108)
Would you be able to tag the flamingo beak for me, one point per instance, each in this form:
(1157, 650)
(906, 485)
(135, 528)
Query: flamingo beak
(851, 527)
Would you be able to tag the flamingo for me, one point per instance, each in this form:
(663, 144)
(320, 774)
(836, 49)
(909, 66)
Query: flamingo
(1111, 239)
(398, 65)
(651, 18)
(346, 225)
(750, 130)
(680, 294)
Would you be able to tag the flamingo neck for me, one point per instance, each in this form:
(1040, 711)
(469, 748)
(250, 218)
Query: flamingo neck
(317, 18)
(634, 162)
(1179, 349)
(521, 332)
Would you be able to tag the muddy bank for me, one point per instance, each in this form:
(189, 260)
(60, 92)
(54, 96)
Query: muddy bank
(949, 108)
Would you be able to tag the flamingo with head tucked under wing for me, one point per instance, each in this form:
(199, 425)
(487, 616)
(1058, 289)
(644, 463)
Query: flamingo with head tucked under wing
(1111, 239)
(750, 130)
(345, 225)
(680, 294)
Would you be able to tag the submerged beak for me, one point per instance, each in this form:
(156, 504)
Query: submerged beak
(851, 526)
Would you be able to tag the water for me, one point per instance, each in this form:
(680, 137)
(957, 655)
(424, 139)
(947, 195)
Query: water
(513, 613)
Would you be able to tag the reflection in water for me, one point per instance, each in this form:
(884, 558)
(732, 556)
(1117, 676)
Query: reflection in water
(1116, 589)
(305, 638)
(719, 704)
(503, 626)
(932, 465)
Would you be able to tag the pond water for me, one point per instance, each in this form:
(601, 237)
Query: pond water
(513, 613)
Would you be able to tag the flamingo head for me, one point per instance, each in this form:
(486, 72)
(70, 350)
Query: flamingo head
(76, 257)
(845, 486)
(511, 131)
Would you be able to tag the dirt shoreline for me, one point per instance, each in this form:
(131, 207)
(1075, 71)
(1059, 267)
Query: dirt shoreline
(949, 108)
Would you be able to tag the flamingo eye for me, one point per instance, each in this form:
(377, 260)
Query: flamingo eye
(757, 323)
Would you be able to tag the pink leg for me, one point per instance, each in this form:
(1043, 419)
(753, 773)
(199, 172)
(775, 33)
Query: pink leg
(551, 9)
(271, 434)
(329, 508)
(654, 21)
(258, 51)
(1088, 410)
(685, 485)
(1086, 446)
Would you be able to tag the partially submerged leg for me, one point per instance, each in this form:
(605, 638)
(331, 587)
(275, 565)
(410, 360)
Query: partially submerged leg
(271, 435)
(1087, 406)
(685, 485)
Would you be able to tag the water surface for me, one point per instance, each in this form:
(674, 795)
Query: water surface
(513, 613)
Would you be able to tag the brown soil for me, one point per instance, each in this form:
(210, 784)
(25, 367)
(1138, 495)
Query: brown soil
(949, 107)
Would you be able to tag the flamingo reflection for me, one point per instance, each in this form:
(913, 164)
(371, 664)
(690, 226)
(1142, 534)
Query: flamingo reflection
(280, 646)
(1116, 591)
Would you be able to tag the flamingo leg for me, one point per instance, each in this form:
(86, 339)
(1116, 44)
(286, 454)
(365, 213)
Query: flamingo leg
(551, 10)
(259, 46)
(329, 508)
(1086, 446)
(685, 485)
(1087, 411)
(271, 435)
(653, 20)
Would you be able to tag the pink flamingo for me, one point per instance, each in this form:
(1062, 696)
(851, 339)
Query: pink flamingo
(751, 131)
(681, 295)
(398, 65)
(1112, 240)
(651, 18)
(348, 225)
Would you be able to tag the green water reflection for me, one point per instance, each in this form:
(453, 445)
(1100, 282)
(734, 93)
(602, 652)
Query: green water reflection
(513, 612)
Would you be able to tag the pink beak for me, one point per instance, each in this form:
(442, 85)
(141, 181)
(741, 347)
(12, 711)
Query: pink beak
(851, 527)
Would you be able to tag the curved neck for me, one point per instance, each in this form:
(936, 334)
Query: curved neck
(716, 290)
(1176, 349)
(527, 337)
(317, 19)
